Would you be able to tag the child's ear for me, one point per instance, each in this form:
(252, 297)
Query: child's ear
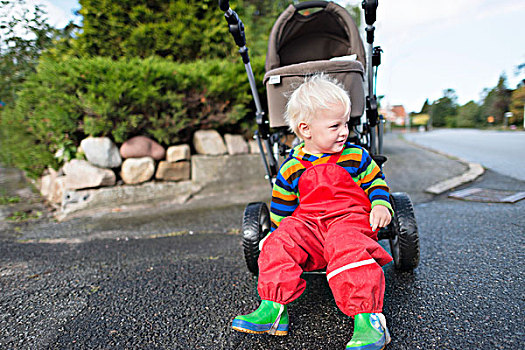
(304, 129)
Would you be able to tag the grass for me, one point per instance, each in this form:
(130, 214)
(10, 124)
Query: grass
(19, 216)
(5, 200)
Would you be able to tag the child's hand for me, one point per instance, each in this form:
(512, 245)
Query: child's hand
(379, 217)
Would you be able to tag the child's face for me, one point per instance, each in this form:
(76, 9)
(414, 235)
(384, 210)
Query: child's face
(327, 132)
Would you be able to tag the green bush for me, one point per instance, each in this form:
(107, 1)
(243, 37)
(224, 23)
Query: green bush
(20, 148)
(182, 30)
(64, 102)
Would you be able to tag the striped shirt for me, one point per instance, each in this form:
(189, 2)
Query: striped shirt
(354, 159)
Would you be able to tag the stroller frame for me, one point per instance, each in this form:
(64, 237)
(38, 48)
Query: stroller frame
(368, 135)
(402, 231)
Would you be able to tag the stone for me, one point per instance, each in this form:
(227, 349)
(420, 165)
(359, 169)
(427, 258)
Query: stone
(208, 142)
(137, 170)
(52, 185)
(59, 172)
(177, 153)
(57, 189)
(126, 197)
(140, 147)
(101, 151)
(82, 174)
(253, 146)
(46, 182)
(227, 169)
(173, 171)
(235, 144)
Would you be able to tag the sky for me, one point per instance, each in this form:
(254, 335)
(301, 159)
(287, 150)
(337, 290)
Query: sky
(428, 45)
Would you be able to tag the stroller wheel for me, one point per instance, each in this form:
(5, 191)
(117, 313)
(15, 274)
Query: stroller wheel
(404, 238)
(255, 226)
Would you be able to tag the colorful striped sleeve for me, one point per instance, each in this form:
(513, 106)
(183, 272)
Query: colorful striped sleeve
(285, 197)
(372, 181)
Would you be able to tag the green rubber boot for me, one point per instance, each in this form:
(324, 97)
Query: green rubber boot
(370, 332)
(270, 317)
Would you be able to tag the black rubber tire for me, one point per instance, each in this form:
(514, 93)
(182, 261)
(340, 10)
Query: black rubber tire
(404, 239)
(255, 226)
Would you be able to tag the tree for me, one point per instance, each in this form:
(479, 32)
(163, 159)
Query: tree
(468, 115)
(258, 17)
(444, 110)
(63, 43)
(24, 35)
(519, 68)
(426, 108)
(496, 101)
(517, 105)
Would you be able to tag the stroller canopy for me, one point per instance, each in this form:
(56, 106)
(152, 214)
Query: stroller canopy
(330, 32)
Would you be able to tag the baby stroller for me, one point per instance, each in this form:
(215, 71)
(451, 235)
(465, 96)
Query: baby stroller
(303, 42)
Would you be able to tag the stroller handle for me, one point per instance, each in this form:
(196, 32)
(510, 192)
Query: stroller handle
(370, 7)
(309, 4)
(224, 5)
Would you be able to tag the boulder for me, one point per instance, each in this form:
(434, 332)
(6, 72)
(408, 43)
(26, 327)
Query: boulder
(254, 146)
(177, 153)
(227, 169)
(85, 202)
(45, 185)
(137, 170)
(101, 151)
(57, 189)
(173, 171)
(82, 174)
(140, 147)
(236, 144)
(47, 182)
(53, 185)
(208, 142)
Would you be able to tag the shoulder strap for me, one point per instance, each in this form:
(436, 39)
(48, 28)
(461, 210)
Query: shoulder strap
(305, 163)
(333, 159)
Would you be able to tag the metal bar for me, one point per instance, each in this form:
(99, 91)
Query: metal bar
(263, 155)
(253, 86)
(370, 68)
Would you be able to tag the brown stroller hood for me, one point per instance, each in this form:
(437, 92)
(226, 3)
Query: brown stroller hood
(300, 46)
(330, 32)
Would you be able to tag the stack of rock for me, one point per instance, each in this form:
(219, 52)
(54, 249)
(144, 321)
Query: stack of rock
(102, 156)
(144, 160)
(140, 154)
(176, 167)
(210, 142)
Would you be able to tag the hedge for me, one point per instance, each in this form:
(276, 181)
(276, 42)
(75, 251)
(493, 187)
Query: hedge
(64, 102)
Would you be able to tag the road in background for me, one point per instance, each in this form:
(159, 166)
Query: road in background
(501, 151)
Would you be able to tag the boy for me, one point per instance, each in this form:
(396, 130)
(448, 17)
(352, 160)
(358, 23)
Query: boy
(328, 200)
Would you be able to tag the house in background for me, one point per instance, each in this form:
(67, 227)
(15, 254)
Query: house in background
(394, 114)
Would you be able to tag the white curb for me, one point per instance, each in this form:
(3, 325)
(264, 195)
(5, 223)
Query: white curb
(474, 171)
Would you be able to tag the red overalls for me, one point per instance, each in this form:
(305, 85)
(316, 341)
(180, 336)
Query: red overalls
(331, 229)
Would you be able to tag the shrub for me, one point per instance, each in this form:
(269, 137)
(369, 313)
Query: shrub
(64, 102)
(183, 30)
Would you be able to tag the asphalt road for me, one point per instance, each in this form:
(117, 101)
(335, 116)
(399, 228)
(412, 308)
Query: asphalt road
(175, 280)
(501, 151)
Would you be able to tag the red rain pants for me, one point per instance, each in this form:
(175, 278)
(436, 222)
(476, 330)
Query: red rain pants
(330, 229)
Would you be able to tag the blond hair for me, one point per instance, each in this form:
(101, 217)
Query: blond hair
(315, 93)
